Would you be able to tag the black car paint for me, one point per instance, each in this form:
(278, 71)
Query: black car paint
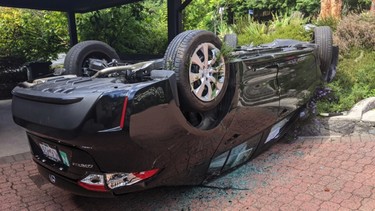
(267, 85)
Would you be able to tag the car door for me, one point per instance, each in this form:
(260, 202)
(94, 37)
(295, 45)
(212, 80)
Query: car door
(297, 79)
(258, 94)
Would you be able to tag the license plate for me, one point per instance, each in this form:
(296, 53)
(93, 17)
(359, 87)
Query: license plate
(50, 152)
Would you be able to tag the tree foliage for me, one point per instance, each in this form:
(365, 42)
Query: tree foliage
(32, 34)
(136, 28)
(310, 7)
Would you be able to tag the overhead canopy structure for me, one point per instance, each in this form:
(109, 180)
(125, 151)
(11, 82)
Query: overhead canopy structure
(71, 7)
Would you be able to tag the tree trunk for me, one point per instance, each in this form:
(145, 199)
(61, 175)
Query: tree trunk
(336, 9)
(331, 8)
(325, 7)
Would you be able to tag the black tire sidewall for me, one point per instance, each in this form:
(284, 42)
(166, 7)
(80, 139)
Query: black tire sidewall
(323, 38)
(79, 53)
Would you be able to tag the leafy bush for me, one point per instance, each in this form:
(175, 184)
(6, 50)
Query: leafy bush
(135, 28)
(356, 31)
(32, 34)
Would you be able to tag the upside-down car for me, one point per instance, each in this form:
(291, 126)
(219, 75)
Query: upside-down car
(105, 128)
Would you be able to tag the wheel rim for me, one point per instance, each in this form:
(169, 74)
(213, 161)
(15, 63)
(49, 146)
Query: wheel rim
(207, 72)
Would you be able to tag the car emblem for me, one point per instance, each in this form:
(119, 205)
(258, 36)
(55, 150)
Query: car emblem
(52, 178)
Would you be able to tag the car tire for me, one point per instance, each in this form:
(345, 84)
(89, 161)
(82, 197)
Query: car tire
(201, 70)
(78, 56)
(323, 38)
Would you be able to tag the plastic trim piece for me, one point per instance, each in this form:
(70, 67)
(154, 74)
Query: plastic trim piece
(38, 98)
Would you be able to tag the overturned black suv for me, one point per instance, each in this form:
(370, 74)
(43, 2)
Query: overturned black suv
(107, 128)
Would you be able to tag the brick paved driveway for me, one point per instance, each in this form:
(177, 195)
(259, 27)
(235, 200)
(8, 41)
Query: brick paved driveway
(330, 173)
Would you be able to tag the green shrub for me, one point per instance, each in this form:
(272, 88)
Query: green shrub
(355, 80)
(250, 31)
(284, 27)
(32, 34)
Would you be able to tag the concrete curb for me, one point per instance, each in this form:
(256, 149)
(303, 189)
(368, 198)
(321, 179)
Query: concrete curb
(359, 120)
(356, 113)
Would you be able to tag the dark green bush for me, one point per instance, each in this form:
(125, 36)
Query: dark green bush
(357, 6)
(10, 75)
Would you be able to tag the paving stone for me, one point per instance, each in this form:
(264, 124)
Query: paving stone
(368, 204)
(364, 191)
(354, 202)
(328, 206)
(340, 196)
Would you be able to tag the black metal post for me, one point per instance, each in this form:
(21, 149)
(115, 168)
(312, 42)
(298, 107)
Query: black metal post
(72, 28)
(174, 19)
